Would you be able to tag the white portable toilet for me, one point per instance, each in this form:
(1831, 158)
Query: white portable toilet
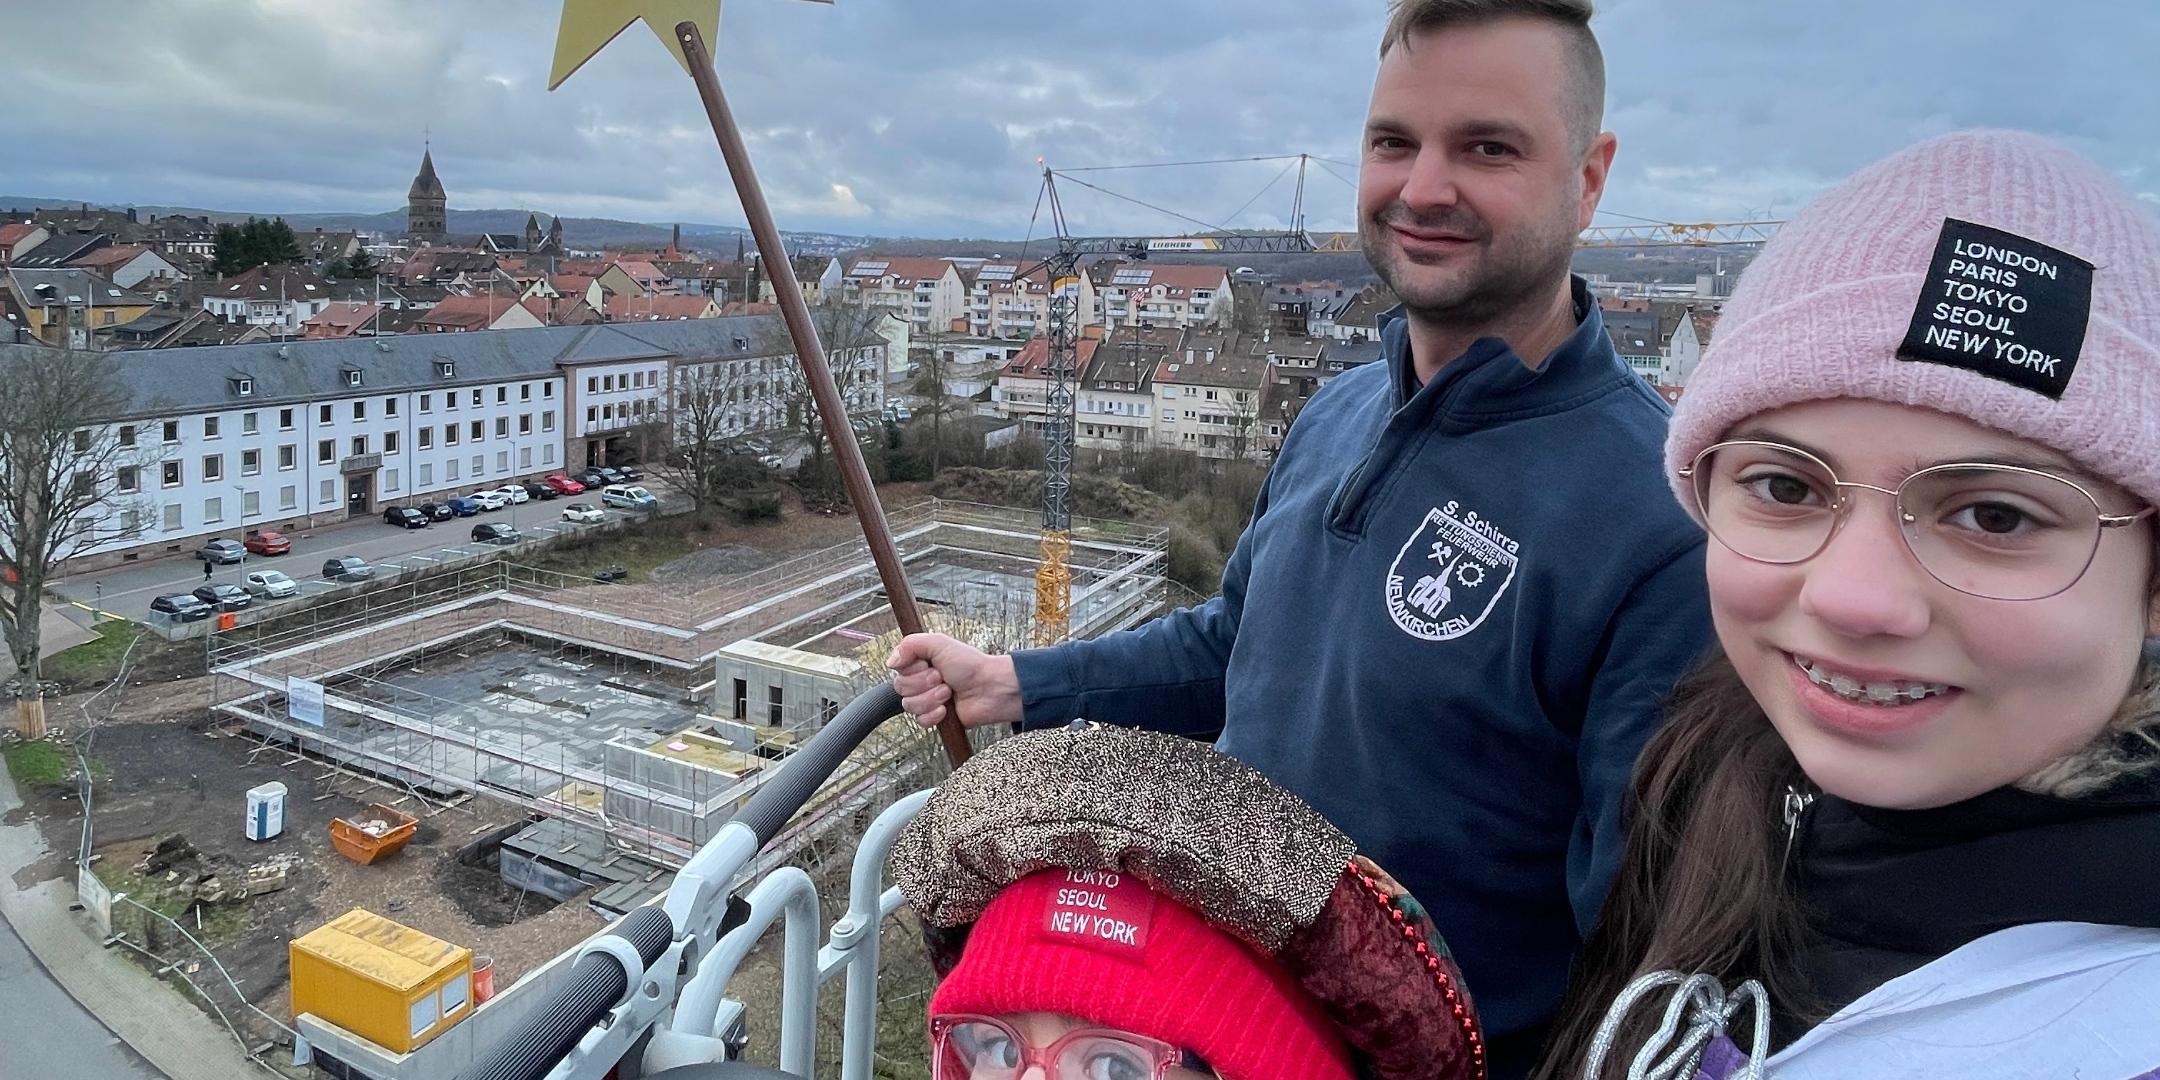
(265, 811)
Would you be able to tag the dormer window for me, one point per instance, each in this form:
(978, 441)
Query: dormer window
(445, 369)
(243, 387)
(352, 376)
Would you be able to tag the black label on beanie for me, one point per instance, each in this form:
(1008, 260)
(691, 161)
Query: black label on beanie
(2003, 305)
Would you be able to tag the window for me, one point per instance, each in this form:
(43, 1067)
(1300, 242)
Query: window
(243, 387)
(288, 498)
(247, 424)
(524, 457)
(172, 517)
(607, 382)
(213, 510)
(359, 410)
(450, 470)
(547, 390)
(427, 438)
(285, 419)
(389, 406)
(502, 427)
(774, 703)
(524, 391)
(352, 377)
(326, 451)
(502, 461)
(287, 457)
(169, 474)
(427, 403)
(592, 384)
(390, 480)
(172, 431)
(449, 402)
(82, 440)
(389, 442)
(479, 465)
(84, 485)
(323, 415)
(127, 435)
(250, 503)
(525, 424)
(607, 412)
(359, 445)
(476, 397)
(479, 430)
(445, 369)
(427, 475)
(502, 395)
(326, 492)
(130, 477)
(592, 414)
(450, 434)
(547, 420)
(250, 462)
(742, 699)
(547, 453)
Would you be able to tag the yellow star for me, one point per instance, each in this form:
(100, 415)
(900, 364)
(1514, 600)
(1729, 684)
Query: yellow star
(588, 26)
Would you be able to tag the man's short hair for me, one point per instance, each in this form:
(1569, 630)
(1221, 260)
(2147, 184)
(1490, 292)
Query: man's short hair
(1586, 99)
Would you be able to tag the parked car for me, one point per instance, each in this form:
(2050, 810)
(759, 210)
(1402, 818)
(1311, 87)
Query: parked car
(585, 513)
(183, 607)
(629, 472)
(562, 484)
(221, 551)
(489, 500)
(437, 511)
(405, 516)
(270, 584)
(591, 478)
(628, 497)
(266, 542)
(347, 568)
(610, 475)
(772, 461)
(463, 506)
(539, 490)
(491, 532)
(223, 597)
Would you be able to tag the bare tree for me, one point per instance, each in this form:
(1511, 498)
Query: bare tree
(933, 368)
(847, 330)
(1243, 422)
(63, 465)
(700, 437)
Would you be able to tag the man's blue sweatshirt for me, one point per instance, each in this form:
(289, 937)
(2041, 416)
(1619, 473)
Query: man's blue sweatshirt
(1448, 627)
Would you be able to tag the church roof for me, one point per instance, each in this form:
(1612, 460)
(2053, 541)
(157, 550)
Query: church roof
(425, 185)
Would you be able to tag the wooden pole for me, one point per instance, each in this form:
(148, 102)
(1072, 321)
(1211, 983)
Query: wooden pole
(832, 411)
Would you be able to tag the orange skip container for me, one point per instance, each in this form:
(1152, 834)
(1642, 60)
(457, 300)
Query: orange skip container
(373, 834)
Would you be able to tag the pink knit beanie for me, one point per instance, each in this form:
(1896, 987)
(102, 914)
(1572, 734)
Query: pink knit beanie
(1992, 275)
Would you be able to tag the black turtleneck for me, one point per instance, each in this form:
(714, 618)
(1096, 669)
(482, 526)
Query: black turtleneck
(1891, 890)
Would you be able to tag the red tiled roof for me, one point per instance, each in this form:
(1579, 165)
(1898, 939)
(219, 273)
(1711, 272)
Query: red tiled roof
(14, 231)
(341, 319)
(905, 268)
(108, 259)
(1034, 359)
(656, 308)
(469, 312)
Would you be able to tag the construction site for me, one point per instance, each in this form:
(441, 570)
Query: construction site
(505, 756)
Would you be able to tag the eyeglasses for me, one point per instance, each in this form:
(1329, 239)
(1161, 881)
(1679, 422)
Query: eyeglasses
(2001, 532)
(986, 1048)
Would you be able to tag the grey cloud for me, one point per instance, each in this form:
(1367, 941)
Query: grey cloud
(926, 118)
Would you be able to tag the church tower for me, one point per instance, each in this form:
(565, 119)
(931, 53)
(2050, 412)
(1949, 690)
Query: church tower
(426, 204)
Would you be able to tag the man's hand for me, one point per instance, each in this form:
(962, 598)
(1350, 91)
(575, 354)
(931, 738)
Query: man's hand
(932, 670)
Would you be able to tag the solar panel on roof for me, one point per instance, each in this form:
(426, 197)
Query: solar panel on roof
(1132, 277)
(870, 267)
(996, 273)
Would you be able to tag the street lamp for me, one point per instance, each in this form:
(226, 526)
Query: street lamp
(241, 510)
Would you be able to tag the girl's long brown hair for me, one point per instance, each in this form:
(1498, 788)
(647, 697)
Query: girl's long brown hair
(1702, 886)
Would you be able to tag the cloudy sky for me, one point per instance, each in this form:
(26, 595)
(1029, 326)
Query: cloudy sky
(925, 117)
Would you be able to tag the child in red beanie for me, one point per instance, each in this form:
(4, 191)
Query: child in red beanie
(1142, 907)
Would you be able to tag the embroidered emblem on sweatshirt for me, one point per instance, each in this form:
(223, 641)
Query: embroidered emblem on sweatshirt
(1449, 574)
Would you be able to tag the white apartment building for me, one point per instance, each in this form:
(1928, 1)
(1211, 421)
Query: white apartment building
(928, 293)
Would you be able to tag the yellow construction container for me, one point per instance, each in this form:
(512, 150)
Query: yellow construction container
(389, 984)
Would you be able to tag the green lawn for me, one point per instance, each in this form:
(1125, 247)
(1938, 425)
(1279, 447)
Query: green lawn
(38, 764)
(95, 661)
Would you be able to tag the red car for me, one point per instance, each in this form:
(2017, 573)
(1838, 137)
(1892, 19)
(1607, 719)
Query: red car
(267, 542)
(563, 484)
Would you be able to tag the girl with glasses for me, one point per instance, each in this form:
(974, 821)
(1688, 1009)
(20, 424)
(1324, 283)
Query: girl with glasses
(1142, 907)
(1907, 822)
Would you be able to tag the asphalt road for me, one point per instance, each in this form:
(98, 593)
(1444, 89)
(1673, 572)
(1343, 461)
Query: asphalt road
(44, 1033)
(127, 590)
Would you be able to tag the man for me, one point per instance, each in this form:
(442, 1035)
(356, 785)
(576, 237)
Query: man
(1465, 586)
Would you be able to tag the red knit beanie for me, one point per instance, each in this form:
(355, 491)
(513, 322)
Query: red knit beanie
(1106, 948)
